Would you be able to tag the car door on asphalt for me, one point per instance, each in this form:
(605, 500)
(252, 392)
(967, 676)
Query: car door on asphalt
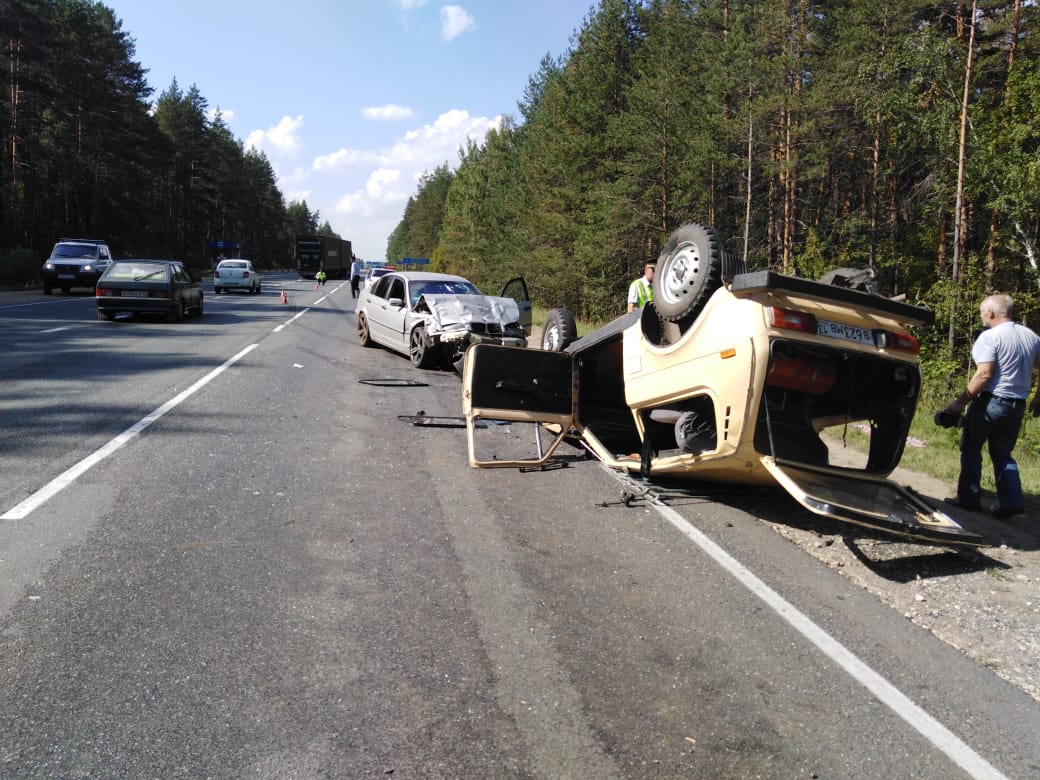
(509, 384)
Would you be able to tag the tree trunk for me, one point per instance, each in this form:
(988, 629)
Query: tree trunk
(958, 215)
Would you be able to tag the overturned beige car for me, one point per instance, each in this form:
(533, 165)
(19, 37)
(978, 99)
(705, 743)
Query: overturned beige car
(728, 377)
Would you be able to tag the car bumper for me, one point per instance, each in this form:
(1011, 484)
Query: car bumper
(463, 339)
(117, 305)
(70, 278)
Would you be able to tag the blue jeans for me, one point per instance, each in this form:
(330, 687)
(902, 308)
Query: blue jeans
(996, 421)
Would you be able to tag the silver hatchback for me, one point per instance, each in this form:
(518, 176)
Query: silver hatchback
(236, 275)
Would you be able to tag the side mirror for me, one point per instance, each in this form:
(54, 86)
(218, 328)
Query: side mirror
(397, 303)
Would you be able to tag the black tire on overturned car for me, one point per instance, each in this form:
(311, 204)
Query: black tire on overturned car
(689, 270)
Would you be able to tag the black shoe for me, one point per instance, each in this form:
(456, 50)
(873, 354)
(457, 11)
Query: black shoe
(961, 505)
(1001, 513)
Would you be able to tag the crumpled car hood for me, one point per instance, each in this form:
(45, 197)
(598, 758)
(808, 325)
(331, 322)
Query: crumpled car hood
(455, 312)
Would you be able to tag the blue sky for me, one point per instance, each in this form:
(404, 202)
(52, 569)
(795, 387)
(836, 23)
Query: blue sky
(353, 100)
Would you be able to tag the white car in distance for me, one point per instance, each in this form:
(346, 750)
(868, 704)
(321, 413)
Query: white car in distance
(236, 274)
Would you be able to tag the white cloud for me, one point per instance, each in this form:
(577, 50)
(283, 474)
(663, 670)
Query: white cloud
(408, 5)
(281, 140)
(433, 145)
(364, 191)
(389, 111)
(344, 159)
(455, 21)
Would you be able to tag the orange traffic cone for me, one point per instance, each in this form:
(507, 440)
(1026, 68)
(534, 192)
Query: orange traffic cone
(284, 299)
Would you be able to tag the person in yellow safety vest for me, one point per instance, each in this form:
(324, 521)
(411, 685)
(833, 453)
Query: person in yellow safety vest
(322, 277)
(641, 291)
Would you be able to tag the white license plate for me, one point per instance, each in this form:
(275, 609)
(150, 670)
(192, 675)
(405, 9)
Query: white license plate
(839, 330)
(66, 276)
(134, 293)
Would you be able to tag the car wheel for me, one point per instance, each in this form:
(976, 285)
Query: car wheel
(689, 270)
(198, 309)
(217, 290)
(559, 331)
(364, 335)
(177, 315)
(420, 353)
(106, 316)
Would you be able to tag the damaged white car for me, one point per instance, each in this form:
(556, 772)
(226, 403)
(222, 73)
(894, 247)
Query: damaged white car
(432, 318)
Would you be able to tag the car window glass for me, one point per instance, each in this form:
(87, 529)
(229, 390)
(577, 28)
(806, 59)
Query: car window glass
(382, 287)
(138, 272)
(73, 250)
(397, 289)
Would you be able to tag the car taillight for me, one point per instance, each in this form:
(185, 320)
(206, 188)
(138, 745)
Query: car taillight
(902, 342)
(102, 291)
(789, 319)
(245, 274)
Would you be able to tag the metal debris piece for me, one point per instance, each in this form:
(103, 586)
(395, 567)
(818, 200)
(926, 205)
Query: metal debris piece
(433, 421)
(393, 382)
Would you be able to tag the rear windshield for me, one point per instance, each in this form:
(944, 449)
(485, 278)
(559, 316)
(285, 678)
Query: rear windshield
(138, 272)
(227, 264)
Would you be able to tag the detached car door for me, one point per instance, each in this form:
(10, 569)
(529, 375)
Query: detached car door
(533, 390)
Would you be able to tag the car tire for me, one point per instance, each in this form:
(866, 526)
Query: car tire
(177, 315)
(216, 291)
(364, 335)
(559, 330)
(106, 316)
(198, 309)
(422, 356)
(689, 270)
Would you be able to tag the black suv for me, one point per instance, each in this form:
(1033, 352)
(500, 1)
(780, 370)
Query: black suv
(75, 262)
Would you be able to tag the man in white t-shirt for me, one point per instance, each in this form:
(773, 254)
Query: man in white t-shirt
(641, 291)
(1004, 354)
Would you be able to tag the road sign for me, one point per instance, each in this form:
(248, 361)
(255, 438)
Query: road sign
(415, 261)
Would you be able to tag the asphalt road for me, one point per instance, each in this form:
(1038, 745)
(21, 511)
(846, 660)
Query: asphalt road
(223, 554)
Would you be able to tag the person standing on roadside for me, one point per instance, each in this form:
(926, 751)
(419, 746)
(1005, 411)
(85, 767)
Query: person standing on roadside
(641, 291)
(1004, 354)
(355, 278)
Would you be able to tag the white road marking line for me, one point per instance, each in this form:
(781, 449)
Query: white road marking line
(931, 729)
(66, 478)
(290, 321)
